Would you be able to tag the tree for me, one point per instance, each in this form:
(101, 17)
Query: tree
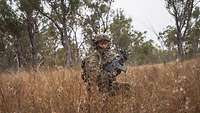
(191, 41)
(121, 31)
(61, 14)
(168, 36)
(194, 37)
(169, 39)
(11, 30)
(30, 16)
(181, 10)
(96, 18)
(48, 44)
(142, 51)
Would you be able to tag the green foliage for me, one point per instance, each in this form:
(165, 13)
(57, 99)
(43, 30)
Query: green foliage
(74, 5)
(47, 44)
(196, 13)
(29, 5)
(182, 11)
(121, 31)
(11, 30)
(169, 38)
(9, 20)
(143, 52)
(97, 20)
(60, 57)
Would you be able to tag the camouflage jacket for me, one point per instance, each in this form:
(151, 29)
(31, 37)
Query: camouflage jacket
(92, 66)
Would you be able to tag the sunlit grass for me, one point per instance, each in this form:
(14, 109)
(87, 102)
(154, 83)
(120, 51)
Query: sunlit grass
(170, 88)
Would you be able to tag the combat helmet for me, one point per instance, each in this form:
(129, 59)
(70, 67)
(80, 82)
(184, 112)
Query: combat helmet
(101, 37)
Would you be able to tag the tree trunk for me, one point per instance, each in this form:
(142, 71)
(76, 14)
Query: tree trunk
(68, 56)
(180, 52)
(77, 53)
(31, 33)
(78, 59)
(66, 38)
(18, 53)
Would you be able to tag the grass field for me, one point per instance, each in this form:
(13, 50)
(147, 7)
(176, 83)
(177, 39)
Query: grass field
(169, 88)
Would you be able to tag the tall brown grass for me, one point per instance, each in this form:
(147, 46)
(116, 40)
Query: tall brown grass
(169, 88)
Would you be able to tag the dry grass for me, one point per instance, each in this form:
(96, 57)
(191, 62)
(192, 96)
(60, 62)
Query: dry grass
(170, 88)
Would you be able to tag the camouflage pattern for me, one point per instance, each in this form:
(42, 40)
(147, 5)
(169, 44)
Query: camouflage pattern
(100, 84)
(97, 79)
(91, 69)
(94, 75)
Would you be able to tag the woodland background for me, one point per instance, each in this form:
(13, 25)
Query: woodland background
(54, 33)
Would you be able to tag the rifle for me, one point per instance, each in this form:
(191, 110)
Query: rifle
(116, 66)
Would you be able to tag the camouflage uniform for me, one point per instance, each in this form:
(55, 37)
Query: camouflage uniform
(95, 77)
(99, 83)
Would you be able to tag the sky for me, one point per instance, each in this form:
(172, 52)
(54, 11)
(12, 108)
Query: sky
(147, 15)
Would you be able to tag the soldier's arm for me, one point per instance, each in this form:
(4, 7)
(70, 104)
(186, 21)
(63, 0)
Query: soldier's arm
(92, 69)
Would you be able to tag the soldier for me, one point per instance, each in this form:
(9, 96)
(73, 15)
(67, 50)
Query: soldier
(95, 77)
(97, 80)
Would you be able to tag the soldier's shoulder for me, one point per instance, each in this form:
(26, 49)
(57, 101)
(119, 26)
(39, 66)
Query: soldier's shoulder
(91, 55)
(110, 55)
